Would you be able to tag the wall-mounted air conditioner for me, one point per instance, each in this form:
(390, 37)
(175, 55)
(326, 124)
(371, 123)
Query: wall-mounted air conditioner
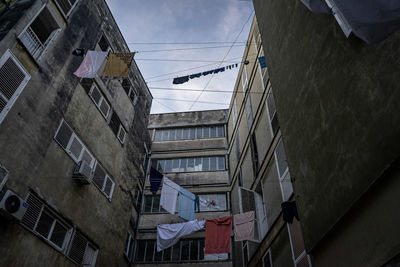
(11, 205)
(82, 173)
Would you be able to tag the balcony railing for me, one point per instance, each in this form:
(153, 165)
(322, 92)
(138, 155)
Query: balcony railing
(32, 43)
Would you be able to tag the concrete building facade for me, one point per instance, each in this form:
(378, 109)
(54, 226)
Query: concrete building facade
(260, 176)
(190, 148)
(55, 127)
(337, 100)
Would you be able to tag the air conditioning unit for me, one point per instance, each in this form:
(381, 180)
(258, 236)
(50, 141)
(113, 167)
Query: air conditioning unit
(11, 205)
(82, 173)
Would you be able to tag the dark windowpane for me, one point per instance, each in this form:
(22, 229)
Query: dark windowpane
(158, 256)
(150, 250)
(281, 156)
(213, 163)
(220, 131)
(183, 167)
(221, 163)
(194, 250)
(206, 164)
(168, 165)
(44, 224)
(172, 136)
(186, 133)
(58, 234)
(114, 123)
(179, 134)
(158, 135)
(147, 203)
(167, 254)
(185, 250)
(199, 133)
(176, 252)
(213, 132)
(206, 132)
(175, 165)
(165, 134)
(201, 249)
(192, 133)
(161, 164)
(190, 164)
(140, 251)
(103, 43)
(156, 204)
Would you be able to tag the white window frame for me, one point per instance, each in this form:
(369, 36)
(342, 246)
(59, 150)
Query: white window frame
(302, 255)
(51, 38)
(234, 112)
(260, 211)
(106, 177)
(121, 128)
(5, 178)
(69, 12)
(102, 99)
(8, 54)
(284, 176)
(130, 245)
(244, 79)
(270, 94)
(267, 253)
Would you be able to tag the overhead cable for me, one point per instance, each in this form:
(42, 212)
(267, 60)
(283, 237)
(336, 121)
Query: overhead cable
(182, 49)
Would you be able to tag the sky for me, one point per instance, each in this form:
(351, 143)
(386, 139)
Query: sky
(210, 22)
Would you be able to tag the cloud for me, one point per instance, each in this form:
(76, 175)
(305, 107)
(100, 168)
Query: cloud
(183, 21)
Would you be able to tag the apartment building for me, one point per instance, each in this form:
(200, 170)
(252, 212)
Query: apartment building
(337, 101)
(260, 175)
(190, 148)
(72, 149)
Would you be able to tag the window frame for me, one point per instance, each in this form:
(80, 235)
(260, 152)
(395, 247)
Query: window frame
(121, 128)
(10, 103)
(66, 16)
(129, 246)
(106, 177)
(270, 118)
(101, 100)
(285, 175)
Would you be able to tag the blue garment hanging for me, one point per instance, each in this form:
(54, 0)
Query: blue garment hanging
(186, 204)
(261, 60)
(180, 80)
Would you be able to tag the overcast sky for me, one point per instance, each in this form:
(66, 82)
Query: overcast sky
(185, 21)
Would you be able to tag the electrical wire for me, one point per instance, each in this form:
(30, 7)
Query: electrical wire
(182, 43)
(182, 49)
(229, 50)
(199, 90)
(186, 100)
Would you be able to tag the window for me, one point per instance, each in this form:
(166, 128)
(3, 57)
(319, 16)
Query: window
(283, 171)
(184, 250)
(126, 84)
(177, 134)
(245, 82)
(44, 222)
(13, 79)
(152, 204)
(82, 251)
(39, 34)
(72, 144)
(254, 154)
(117, 127)
(66, 6)
(104, 44)
(271, 109)
(129, 244)
(3, 176)
(216, 202)
(99, 101)
(263, 72)
(249, 113)
(234, 113)
(137, 199)
(267, 259)
(192, 164)
(300, 257)
(103, 181)
(252, 201)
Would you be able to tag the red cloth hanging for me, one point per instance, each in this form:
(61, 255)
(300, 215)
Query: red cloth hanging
(218, 235)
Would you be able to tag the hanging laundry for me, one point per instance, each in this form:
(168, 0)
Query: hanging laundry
(205, 73)
(186, 204)
(91, 64)
(289, 210)
(155, 180)
(118, 64)
(219, 70)
(197, 203)
(243, 225)
(169, 195)
(261, 60)
(197, 75)
(218, 235)
(169, 234)
(180, 80)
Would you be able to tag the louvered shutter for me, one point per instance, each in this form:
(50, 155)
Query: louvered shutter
(64, 134)
(109, 187)
(78, 248)
(96, 95)
(33, 211)
(99, 176)
(104, 107)
(75, 148)
(13, 78)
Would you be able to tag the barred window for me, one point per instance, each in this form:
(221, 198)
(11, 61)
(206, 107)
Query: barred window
(197, 164)
(177, 134)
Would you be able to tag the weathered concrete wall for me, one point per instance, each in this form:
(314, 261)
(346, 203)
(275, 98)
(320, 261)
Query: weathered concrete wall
(36, 161)
(337, 104)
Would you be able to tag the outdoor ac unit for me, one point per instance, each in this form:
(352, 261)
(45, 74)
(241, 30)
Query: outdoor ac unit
(82, 173)
(11, 205)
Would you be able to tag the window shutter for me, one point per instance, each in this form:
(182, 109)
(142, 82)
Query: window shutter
(104, 107)
(96, 95)
(76, 148)
(109, 187)
(64, 134)
(115, 123)
(33, 211)
(121, 134)
(78, 248)
(89, 258)
(99, 176)
(13, 78)
(3, 176)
